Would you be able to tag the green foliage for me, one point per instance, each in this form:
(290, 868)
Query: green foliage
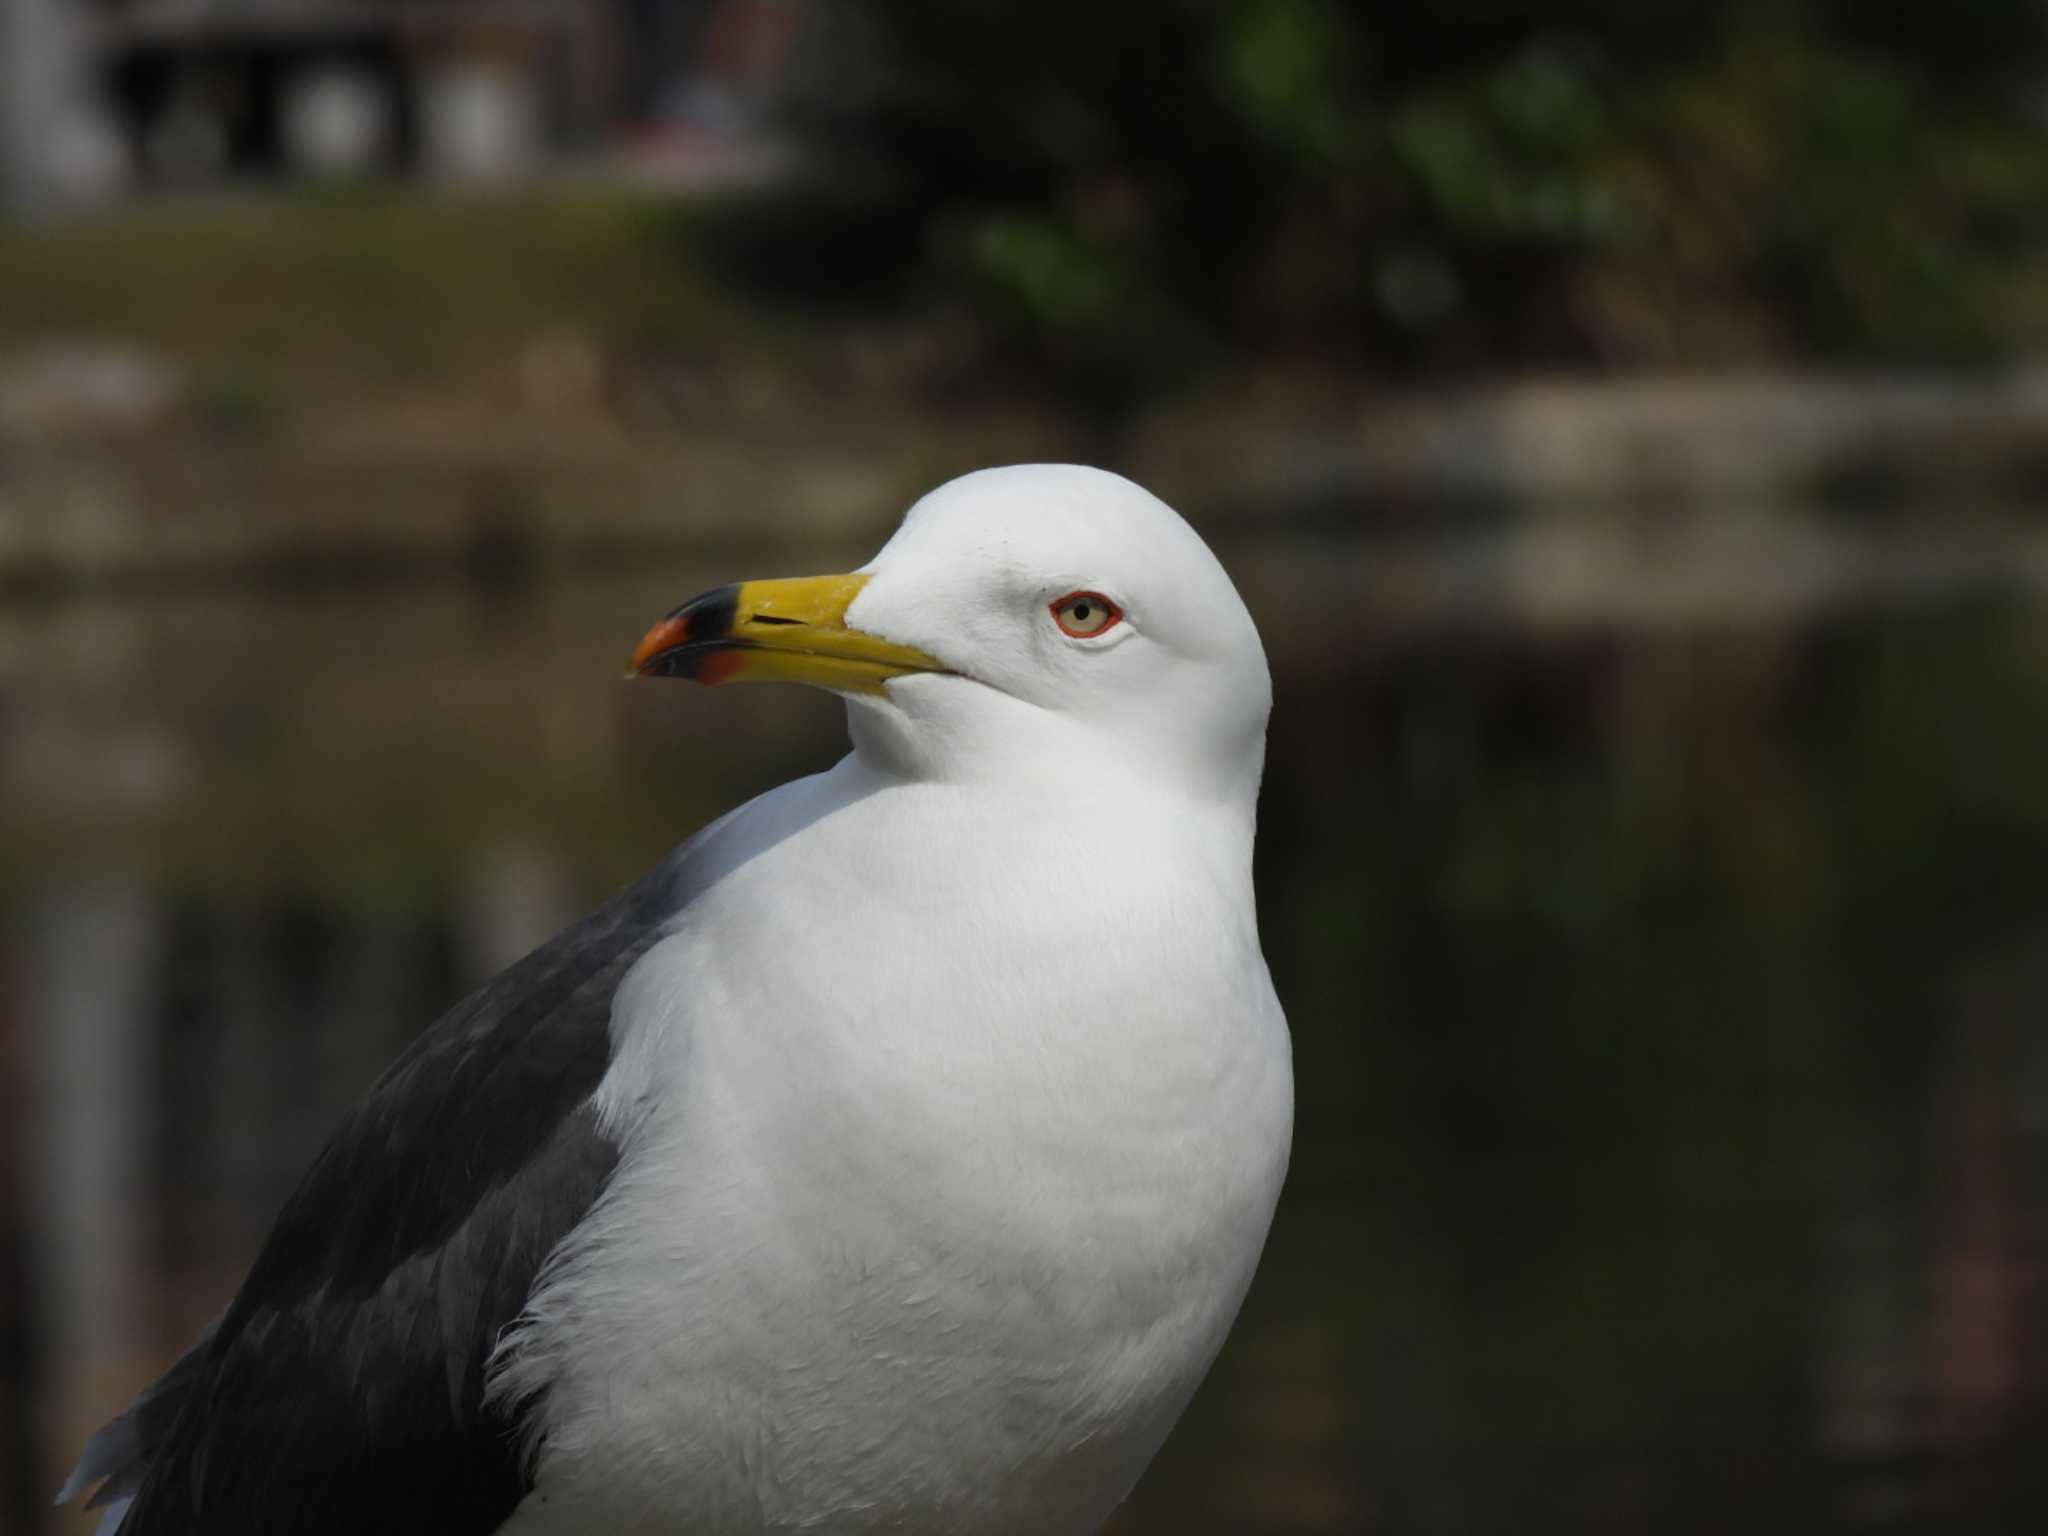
(1120, 189)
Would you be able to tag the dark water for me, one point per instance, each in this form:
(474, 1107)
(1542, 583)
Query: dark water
(1670, 996)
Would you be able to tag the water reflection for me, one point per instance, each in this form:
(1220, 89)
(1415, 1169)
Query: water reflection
(1667, 996)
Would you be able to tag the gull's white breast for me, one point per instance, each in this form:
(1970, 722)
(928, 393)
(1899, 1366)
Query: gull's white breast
(952, 1125)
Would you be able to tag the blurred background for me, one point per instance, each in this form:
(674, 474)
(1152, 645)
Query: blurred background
(1628, 424)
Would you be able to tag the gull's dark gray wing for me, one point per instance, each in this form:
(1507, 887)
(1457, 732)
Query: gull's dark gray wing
(343, 1389)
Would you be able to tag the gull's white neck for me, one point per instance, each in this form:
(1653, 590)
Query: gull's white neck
(954, 731)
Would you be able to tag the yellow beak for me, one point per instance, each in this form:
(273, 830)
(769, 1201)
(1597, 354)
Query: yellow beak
(776, 631)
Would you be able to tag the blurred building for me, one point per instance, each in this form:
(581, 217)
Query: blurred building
(98, 97)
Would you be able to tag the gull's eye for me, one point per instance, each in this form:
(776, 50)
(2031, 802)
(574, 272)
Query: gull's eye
(1085, 614)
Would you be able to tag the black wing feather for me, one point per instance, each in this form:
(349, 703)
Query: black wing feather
(343, 1389)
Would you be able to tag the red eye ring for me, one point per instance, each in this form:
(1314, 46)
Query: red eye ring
(1085, 614)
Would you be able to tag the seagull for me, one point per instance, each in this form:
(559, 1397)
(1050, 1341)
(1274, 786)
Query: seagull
(894, 1156)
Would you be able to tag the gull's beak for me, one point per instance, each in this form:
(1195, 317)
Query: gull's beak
(777, 631)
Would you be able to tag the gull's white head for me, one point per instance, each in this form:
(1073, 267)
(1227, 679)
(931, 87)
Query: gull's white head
(1078, 613)
(1044, 621)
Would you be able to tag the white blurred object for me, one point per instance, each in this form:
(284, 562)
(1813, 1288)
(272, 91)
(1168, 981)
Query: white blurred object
(88, 160)
(82, 387)
(337, 121)
(92, 943)
(57, 144)
(479, 121)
